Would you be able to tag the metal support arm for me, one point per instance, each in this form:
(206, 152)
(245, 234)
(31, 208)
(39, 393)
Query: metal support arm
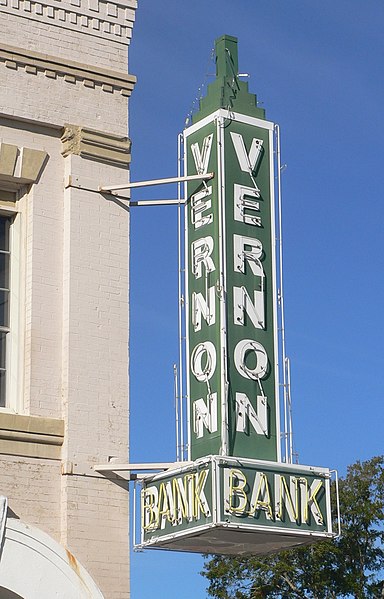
(109, 188)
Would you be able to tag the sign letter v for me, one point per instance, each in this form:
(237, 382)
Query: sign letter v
(202, 158)
(247, 161)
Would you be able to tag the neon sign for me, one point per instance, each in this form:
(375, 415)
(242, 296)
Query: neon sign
(232, 339)
(234, 484)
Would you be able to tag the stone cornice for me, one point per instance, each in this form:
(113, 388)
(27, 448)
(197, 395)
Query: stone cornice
(20, 166)
(96, 145)
(70, 71)
(31, 436)
(110, 19)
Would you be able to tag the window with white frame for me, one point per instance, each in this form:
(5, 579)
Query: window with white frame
(11, 302)
(5, 258)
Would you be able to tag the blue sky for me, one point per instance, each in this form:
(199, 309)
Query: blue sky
(316, 68)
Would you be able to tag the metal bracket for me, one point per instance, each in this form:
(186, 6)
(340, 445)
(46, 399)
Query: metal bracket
(180, 202)
(137, 471)
(110, 188)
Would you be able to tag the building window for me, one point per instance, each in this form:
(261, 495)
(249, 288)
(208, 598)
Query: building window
(5, 256)
(12, 300)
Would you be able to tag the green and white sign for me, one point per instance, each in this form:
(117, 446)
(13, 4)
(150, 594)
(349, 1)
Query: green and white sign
(234, 484)
(204, 507)
(231, 290)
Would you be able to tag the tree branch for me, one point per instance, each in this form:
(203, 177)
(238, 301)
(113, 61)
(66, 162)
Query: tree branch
(292, 586)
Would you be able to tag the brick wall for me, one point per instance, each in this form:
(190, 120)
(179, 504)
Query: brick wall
(98, 109)
(33, 488)
(70, 66)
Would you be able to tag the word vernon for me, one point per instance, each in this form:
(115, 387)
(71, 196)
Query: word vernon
(259, 496)
(212, 282)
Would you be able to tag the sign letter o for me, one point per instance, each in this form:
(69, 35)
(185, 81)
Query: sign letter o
(242, 351)
(203, 361)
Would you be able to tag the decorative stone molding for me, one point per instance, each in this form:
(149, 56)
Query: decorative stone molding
(101, 18)
(8, 157)
(31, 436)
(71, 71)
(96, 145)
(20, 166)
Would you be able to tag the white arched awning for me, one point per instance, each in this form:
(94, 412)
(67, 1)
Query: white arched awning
(34, 566)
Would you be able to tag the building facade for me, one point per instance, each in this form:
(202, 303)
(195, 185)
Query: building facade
(64, 89)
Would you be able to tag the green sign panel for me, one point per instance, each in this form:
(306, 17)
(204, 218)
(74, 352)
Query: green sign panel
(231, 290)
(207, 500)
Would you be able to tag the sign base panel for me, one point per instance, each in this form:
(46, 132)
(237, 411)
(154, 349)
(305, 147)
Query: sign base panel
(228, 540)
(235, 506)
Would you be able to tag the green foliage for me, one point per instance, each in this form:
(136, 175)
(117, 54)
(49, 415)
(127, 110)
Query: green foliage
(349, 566)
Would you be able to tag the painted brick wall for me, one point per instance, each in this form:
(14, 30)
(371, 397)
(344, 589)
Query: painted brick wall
(33, 488)
(64, 102)
(41, 271)
(74, 275)
(90, 31)
(96, 535)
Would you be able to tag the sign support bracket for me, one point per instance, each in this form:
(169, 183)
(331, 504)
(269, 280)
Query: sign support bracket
(137, 471)
(149, 183)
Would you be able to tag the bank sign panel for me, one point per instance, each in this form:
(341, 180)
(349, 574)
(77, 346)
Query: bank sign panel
(231, 291)
(218, 504)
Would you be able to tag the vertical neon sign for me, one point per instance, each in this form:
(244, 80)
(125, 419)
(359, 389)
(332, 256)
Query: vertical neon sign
(232, 373)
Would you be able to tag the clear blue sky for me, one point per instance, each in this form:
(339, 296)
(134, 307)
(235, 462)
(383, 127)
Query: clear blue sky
(317, 69)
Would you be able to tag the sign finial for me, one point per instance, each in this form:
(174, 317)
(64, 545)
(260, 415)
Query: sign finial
(226, 57)
(227, 91)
